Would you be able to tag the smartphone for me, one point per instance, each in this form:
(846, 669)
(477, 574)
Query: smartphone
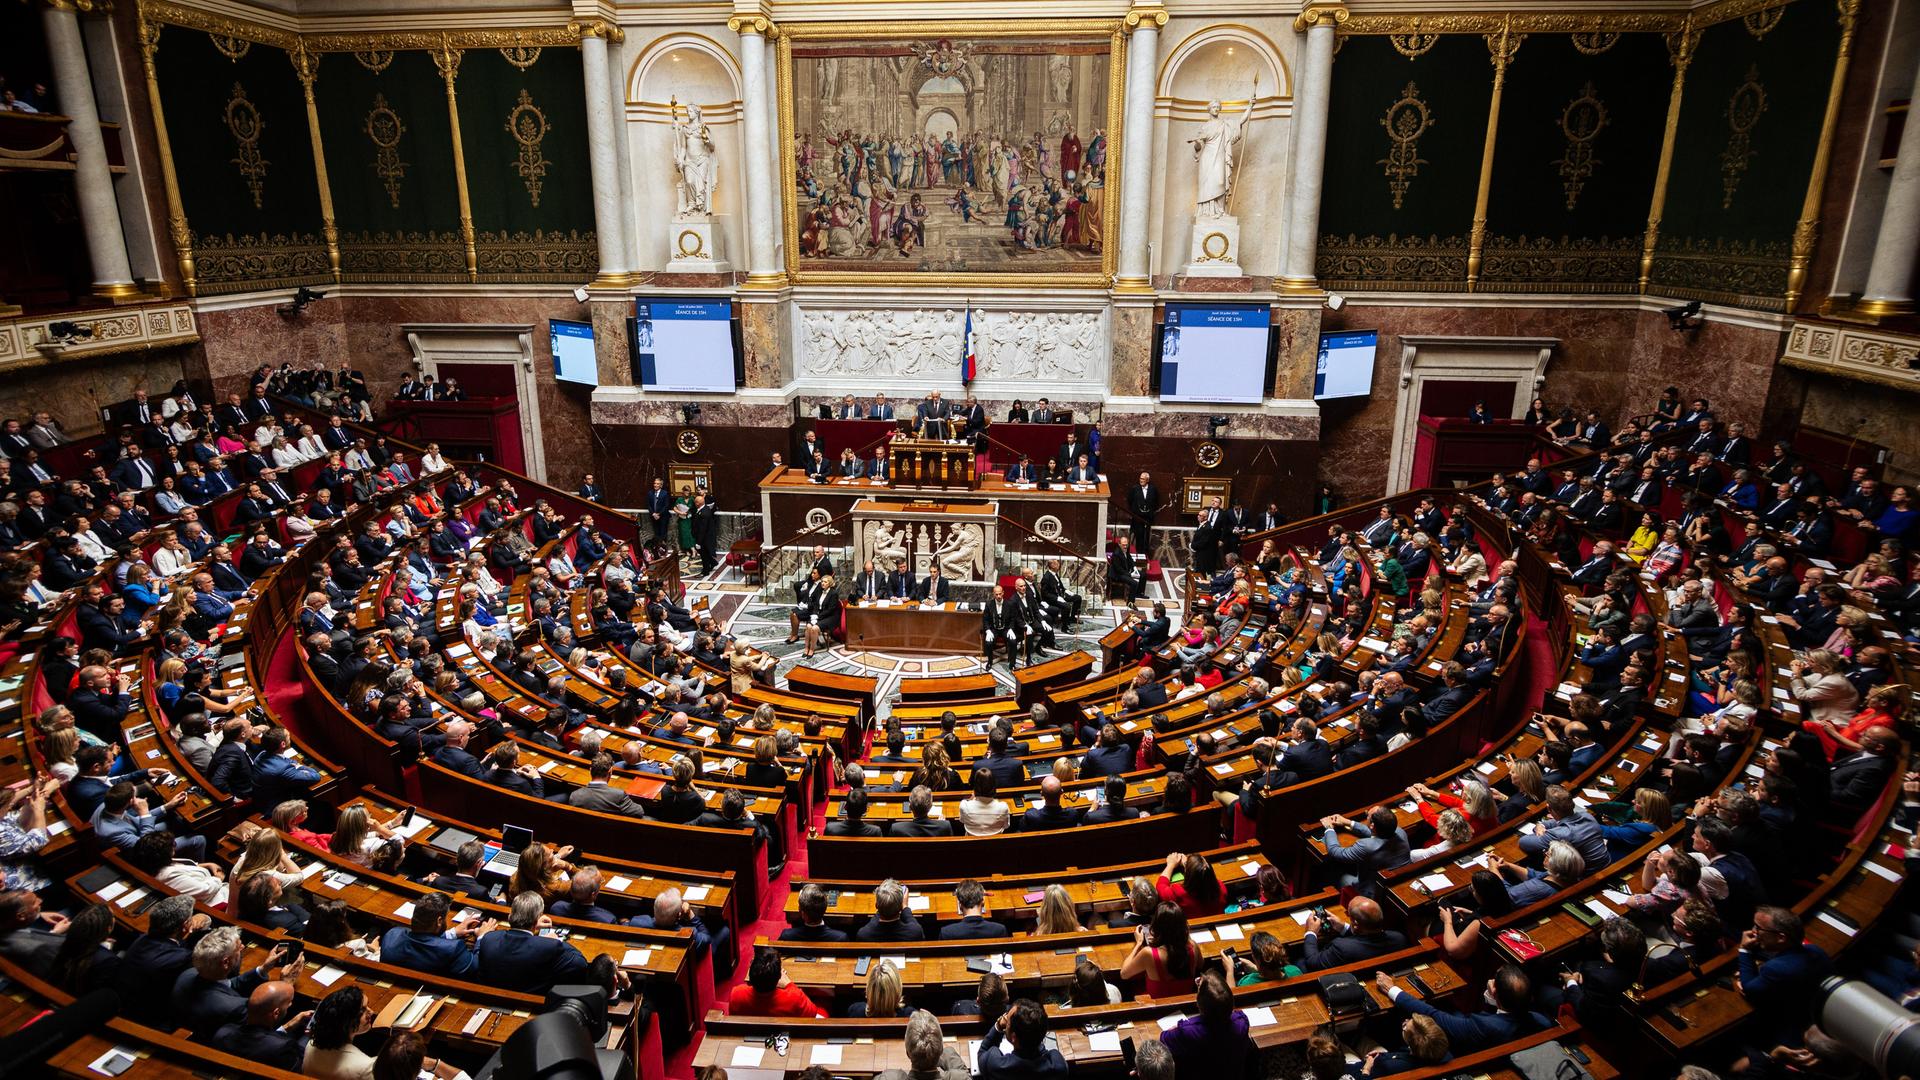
(861, 965)
(1126, 1052)
(406, 819)
(115, 1064)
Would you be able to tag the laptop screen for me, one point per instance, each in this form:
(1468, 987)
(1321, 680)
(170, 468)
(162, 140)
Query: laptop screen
(514, 838)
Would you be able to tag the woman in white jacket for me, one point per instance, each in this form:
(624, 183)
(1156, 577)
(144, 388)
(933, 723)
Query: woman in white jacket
(1470, 565)
(1821, 690)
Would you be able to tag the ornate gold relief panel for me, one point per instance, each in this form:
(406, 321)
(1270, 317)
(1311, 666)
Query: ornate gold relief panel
(1580, 124)
(244, 123)
(528, 126)
(1744, 109)
(1406, 121)
(384, 128)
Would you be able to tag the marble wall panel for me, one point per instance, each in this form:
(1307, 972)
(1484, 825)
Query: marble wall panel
(75, 389)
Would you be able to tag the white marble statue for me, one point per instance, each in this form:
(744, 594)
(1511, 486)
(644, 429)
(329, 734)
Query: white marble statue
(1214, 150)
(693, 156)
(887, 546)
(960, 552)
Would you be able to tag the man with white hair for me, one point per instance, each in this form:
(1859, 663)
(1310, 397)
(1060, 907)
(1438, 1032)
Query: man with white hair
(928, 1053)
(671, 911)
(214, 992)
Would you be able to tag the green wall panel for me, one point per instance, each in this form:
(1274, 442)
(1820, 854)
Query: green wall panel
(1729, 244)
(254, 213)
(1421, 243)
(523, 233)
(397, 209)
(1535, 240)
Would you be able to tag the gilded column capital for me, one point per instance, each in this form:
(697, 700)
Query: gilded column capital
(1317, 14)
(597, 28)
(750, 24)
(81, 7)
(1145, 13)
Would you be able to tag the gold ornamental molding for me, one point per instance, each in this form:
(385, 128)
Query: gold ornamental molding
(1315, 14)
(1551, 22)
(1854, 352)
(29, 342)
(750, 24)
(374, 43)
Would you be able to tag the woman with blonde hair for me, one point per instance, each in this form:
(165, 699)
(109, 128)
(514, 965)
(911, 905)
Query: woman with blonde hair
(265, 854)
(1064, 771)
(884, 995)
(1885, 706)
(934, 772)
(58, 751)
(1450, 831)
(1819, 687)
(290, 818)
(1057, 913)
(1529, 788)
(356, 835)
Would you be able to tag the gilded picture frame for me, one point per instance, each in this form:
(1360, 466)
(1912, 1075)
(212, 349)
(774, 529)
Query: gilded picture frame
(935, 37)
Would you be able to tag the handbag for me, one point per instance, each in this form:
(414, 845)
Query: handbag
(1343, 992)
(1548, 1061)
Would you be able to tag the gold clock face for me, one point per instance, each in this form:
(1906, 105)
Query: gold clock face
(688, 441)
(1208, 454)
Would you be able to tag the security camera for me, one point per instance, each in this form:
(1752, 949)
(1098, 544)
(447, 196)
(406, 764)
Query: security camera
(580, 294)
(1684, 317)
(690, 413)
(1335, 301)
(1217, 425)
(301, 298)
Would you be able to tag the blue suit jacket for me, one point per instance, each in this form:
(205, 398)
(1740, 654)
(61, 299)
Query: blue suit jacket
(1107, 760)
(433, 953)
(1469, 1032)
(526, 961)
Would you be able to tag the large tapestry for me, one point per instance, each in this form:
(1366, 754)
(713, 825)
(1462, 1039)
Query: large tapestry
(952, 155)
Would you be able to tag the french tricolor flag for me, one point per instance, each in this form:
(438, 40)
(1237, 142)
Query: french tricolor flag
(967, 356)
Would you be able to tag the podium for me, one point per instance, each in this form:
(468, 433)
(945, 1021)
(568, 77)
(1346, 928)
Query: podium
(934, 463)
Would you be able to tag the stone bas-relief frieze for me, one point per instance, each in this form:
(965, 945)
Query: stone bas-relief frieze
(926, 344)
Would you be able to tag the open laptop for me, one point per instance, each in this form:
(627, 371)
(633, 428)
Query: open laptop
(513, 840)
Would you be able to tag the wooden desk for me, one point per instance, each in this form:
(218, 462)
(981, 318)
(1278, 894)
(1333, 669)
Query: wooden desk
(937, 463)
(786, 496)
(920, 628)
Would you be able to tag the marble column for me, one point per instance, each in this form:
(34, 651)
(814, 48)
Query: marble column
(763, 266)
(1889, 288)
(1311, 98)
(602, 141)
(1143, 57)
(92, 182)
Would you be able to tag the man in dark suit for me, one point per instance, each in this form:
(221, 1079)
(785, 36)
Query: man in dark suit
(265, 1036)
(465, 878)
(1860, 778)
(1307, 756)
(1007, 770)
(813, 918)
(973, 923)
(601, 795)
(922, 823)
(1453, 693)
(933, 416)
(1123, 577)
(1468, 1033)
(1049, 814)
(1110, 755)
(889, 923)
(454, 754)
(1207, 535)
(1070, 452)
(1143, 507)
(973, 417)
(706, 531)
(425, 945)
(516, 956)
(934, 589)
(1329, 944)
(880, 410)
(853, 821)
(1022, 471)
(1002, 624)
(1025, 1024)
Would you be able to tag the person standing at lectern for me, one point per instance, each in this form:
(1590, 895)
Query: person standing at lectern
(706, 530)
(1001, 626)
(1206, 538)
(933, 590)
(1070, 452)
(932, 415)
(1143, 503)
